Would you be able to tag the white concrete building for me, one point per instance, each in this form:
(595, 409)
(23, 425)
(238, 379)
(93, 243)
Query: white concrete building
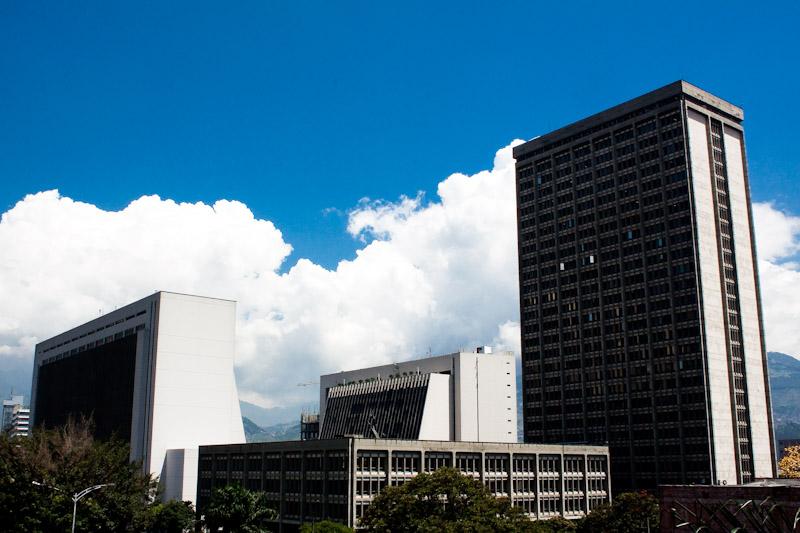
(157, 372)
(20, 422)
(463, 396)
(8, 409)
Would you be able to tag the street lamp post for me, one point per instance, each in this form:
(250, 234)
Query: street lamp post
(75, 497)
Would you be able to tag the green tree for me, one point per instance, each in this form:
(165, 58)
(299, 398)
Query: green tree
(552, 525)
(173, 516)
(630, 512)
(325, 526)
(444, 500)
(66, 461)
(234, 509)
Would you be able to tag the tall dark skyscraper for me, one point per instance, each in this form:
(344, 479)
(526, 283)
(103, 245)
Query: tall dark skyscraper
(640, 309)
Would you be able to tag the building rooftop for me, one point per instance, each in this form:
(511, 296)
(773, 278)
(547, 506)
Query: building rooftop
(482, 350)
(345, 442)
(76, 332)
(605, 118)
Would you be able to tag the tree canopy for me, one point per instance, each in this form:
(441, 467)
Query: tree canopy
(630, 512)
(234, 509)
(63, 462)
(325, 526)
(172, 517)
(444, 500)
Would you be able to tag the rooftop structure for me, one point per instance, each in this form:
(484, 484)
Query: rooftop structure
(463, 396)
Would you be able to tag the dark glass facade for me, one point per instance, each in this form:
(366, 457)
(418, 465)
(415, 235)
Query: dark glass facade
(96, 383)
(392, 408)
(612, 336)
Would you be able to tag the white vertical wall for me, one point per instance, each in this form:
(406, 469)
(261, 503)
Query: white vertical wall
(497, 399)
(763, 463)
(466, 398)
(436, 413)
(711, 292)
(179, 476)
(485, 398)
(195, 399)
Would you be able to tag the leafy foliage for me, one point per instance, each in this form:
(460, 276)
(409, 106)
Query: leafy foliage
(325, 526)
(790, 462)
(67, 461)
(234, 509)
(631, 512)
(444, 500)
(172, 517)
(553, 525)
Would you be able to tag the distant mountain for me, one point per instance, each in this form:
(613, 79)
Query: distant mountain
(250, 428)
(278, 432)
(269, 417)
(784, 377)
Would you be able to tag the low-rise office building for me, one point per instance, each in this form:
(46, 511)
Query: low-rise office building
(337, 479)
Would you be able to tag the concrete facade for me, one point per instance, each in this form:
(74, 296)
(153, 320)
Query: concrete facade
(639, 298)
(309, 481)
(176, 383)
(471, 396)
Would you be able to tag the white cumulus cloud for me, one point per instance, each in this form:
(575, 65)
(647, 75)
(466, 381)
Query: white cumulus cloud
(431, 275)
(777, 242)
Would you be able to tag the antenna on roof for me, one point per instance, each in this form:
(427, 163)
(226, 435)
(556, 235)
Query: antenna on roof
(371, 426)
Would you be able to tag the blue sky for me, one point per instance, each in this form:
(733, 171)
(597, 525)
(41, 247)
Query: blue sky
(295, 107)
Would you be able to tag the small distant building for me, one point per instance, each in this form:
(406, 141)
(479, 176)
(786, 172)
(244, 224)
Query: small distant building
(309, 426)
(8, 409)
(20, 422)
(337, 479)
(462, 396)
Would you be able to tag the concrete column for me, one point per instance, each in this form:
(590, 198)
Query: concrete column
(538, 486)
(562, 482)
(302, 486)
(585, 484)
(282, 481)
(509, 482)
